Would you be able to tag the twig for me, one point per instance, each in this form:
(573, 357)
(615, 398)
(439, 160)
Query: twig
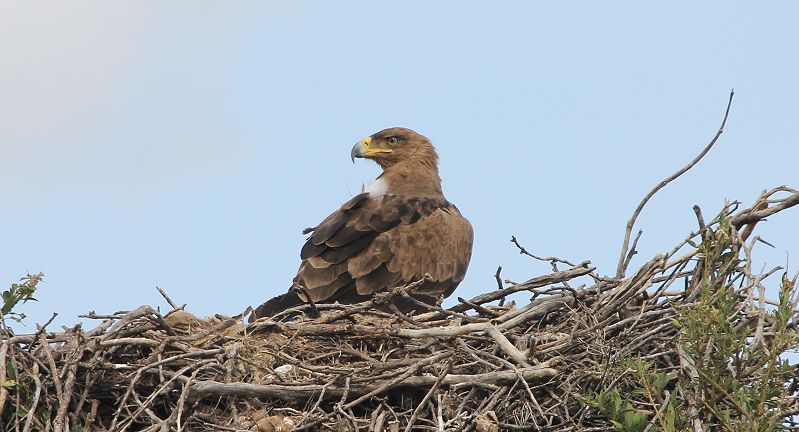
(481, 310)
(427, 396)
(71, 368)
(406, 380)
(3, 389)
(550, 259)
(499, 286)
(753, 216)
(168, 300)
(503, 342)
(633, 251)
(39, 331)
(35, 404)
(557, 277)
(377, 300)
(620, 269)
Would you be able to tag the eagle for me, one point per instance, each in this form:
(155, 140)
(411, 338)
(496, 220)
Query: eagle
(398, 230)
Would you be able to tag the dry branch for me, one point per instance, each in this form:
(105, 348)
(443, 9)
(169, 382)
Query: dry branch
(623, 262)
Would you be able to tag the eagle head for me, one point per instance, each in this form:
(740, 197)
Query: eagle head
(394, 146)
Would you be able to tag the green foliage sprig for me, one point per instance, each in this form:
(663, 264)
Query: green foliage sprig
(20, 292)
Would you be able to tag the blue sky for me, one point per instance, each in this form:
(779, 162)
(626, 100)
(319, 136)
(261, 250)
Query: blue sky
(187, 144)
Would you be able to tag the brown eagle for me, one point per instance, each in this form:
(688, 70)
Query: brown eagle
(397, 230)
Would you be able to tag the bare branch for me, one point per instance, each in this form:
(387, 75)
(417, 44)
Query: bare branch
(620, 269)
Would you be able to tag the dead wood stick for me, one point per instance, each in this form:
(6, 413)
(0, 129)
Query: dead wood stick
(168, 328)
(69, 382)
(184, 393)
(630, 287)
(581, 269)
(95, 316)
(30, 337)
(209, 353)
(303, 392)
(414, 368)
(500, 286)
(650, 313)
(427, 396)
(394, 382)
(3, 389)
(473, 353)
(163, 388)
(620, 269)
(666, 328)
(504, 344)
(144, 407)
(48, 353)
(230, 364)
(529, 312)
(40, 330)
(481, 310)
(378, 299)
(127, 319)
(87, 425)
(633, 251)
(441, 311)
(35, 404)
(318, 402)
(140, 371)
(166, 297)
(129, 341)
(551, 259)
(87, 386)
(100, 329)
(215, 330)
(754, 216)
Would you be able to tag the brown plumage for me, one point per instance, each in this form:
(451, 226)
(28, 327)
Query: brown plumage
(393, 233)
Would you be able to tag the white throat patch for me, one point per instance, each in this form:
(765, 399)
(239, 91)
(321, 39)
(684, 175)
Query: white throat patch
(377, 189)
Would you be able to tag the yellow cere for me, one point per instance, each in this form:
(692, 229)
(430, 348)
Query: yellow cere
(367, 142)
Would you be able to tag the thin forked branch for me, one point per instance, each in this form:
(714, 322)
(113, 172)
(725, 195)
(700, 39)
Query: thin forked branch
(622, 266)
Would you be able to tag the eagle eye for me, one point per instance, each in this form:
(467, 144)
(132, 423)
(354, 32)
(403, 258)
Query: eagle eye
(393, 140)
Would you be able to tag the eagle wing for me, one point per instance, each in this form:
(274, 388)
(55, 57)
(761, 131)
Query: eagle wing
(373, 243)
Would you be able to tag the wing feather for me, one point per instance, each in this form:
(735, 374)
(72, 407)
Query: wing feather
(335, 221)
(335, 255)
(439, 244)
(372, 244)
(376, 280)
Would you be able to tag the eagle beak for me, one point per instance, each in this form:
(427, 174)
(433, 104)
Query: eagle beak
(364, 149)
(360, 148)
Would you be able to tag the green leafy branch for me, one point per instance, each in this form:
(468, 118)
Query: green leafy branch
(20, 292)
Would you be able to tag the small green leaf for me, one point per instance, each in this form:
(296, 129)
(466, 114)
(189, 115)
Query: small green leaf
(661, 381)
(635, 421)
(11, 371)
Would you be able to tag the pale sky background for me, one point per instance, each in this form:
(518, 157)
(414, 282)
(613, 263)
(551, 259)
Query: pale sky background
(187, 144)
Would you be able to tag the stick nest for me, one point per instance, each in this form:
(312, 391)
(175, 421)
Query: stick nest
(485, 364)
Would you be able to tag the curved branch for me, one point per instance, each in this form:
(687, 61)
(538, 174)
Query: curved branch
(622, 266)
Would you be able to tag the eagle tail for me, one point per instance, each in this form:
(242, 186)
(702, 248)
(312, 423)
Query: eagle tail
(276, 305)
